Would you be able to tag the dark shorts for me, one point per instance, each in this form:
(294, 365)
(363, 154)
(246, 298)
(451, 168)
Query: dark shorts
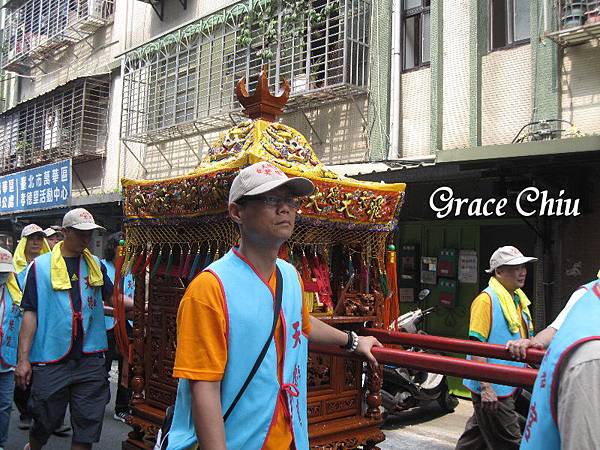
(80, 383)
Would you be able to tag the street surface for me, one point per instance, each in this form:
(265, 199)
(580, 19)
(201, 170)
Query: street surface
(420, 428)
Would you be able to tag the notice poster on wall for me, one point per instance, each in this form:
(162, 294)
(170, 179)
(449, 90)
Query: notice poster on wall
(467, 266)
(428, 270)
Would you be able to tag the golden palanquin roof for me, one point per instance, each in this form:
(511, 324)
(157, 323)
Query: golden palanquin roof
(204, 192)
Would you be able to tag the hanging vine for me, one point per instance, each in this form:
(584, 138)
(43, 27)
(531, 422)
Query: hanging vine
(295, 16)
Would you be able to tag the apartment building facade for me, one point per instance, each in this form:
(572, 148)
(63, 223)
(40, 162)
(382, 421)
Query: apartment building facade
(141, 89)
(488, 99)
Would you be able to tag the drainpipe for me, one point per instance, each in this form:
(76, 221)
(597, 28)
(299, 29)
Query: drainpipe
(396, 84)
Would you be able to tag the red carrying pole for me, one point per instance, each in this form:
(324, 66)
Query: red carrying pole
(534, 355)
(493, 373)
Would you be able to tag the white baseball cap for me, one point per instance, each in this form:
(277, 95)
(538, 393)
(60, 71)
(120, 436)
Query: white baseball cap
(264, 177)
(80, 219)
(52, 230)
(30, 229)
(6, 261)
(508, 256)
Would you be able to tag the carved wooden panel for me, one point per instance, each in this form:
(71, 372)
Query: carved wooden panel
(341, 405)
(161, 339)
(319, 371)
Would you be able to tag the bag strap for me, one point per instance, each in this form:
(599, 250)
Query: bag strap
(263, 352)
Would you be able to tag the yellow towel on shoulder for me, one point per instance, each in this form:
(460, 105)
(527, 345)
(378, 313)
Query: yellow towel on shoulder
(19, 259)
(59, 275)
(509, 309)
(13, 288)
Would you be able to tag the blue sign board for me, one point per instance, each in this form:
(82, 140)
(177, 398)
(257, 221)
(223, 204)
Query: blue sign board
(43, 187)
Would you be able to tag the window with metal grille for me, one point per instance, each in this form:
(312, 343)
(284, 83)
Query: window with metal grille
(183, 84)
(69, 122)
(36, 29)
(509, 23)
(416, 34)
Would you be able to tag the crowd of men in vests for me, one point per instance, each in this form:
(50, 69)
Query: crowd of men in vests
(54, 295)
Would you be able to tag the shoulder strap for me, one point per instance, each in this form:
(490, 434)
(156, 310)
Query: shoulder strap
(263, 352)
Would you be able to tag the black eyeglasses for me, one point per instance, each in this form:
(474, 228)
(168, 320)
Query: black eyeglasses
(272, 201)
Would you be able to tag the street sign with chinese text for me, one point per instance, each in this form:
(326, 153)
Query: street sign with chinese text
(42, 187)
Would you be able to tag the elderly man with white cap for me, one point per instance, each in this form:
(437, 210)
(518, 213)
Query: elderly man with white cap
(53, 235)
(499, 314)
(236, 390)
(63, 336)
(10, 314)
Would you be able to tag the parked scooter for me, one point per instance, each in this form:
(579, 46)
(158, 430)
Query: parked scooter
(406, 388)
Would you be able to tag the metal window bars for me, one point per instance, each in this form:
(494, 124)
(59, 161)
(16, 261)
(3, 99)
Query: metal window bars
(69, 122)
(41, 28)
(183, 83)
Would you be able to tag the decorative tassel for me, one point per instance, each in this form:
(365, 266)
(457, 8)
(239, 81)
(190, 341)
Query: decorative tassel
(186, 265)
(148, 260)
(156, 264)
(169, 261)
(194, 265)
(128, 259)
(138, 263)
(208, 259)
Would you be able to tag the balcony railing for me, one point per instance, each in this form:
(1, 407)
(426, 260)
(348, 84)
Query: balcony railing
(578, 22)
(183, 83)
(69, 122)
(41, 28)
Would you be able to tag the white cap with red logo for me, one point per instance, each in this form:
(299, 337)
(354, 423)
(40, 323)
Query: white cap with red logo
(30, 229)
(508, 256)
(6, 261)
(80, 219)
(264, 177)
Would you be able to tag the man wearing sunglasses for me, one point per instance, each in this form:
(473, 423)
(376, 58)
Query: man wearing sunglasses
(225, 318)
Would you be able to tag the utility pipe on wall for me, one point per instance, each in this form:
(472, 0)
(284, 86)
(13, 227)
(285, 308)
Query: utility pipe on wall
(396, 82)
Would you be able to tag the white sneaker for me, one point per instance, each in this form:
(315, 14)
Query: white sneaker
(121, 417)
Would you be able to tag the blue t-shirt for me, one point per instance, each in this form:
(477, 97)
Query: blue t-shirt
(30, 299)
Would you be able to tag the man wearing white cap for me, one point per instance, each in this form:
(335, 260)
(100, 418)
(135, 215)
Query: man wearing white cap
(10, 316)
(500, 313)
(223, 326)
(64, 337)
(53, 235)
(31, 245)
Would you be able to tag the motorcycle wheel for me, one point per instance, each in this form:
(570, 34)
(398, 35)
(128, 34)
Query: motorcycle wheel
(447, 401)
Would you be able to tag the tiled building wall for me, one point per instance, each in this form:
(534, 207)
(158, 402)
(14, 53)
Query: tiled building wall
(456, 74)
(580, 83)
(416, 113)
(506, 94)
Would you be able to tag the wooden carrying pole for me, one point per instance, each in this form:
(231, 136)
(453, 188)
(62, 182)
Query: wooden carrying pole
(493, 373)
(534, 356)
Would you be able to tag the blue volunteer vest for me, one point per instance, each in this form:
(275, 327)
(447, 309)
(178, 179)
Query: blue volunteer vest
(22, 277)
(249, 309)
(55, 316)
(11, 324)
(128, 289)
(582, 324)
(499, 334)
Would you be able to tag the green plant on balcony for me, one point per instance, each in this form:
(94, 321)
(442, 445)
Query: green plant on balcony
(294, 17)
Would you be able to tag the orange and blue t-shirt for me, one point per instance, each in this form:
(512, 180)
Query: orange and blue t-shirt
(202, 345)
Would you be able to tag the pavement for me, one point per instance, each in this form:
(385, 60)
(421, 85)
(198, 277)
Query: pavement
(113, 431)
(425, 427)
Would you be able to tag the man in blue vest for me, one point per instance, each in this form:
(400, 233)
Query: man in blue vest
(64, 337)
(225, 318)
(10, 323)
(564, 412)
(499, 314)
